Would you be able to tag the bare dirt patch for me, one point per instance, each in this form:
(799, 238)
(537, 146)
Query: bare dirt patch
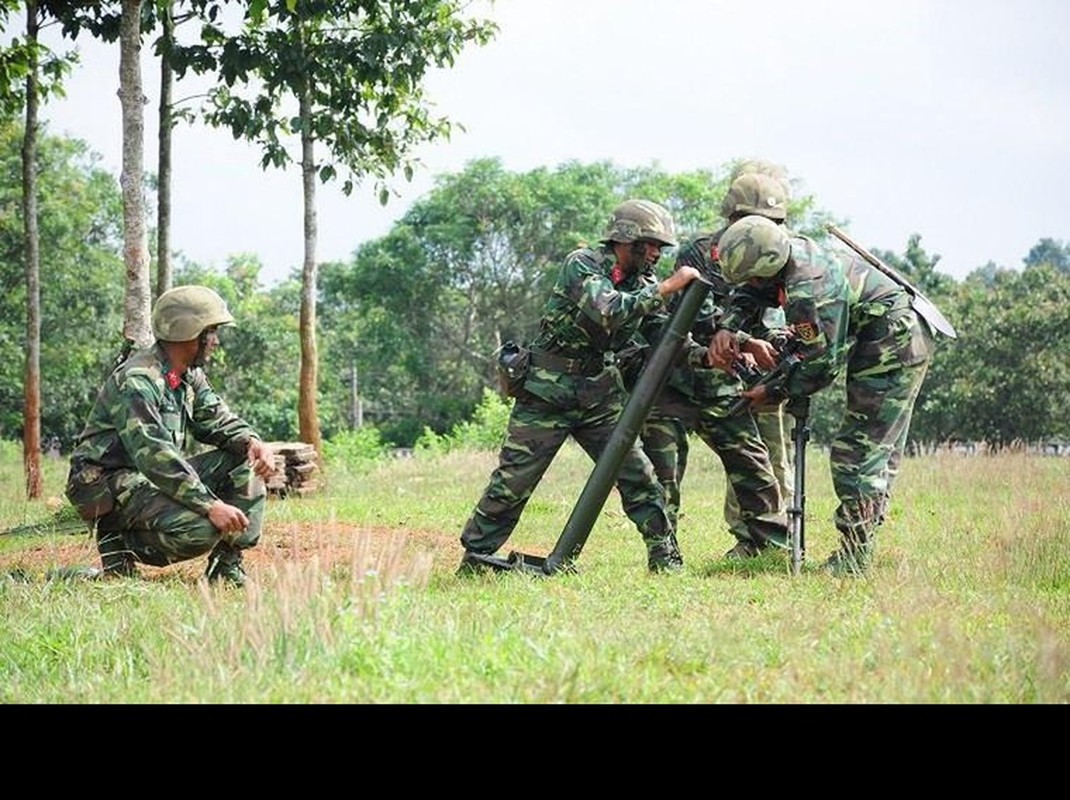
(331, 544)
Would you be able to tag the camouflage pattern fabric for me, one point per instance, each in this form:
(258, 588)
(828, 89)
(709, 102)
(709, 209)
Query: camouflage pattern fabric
(159, 530)
(695, 400)
(137, 432)
(586, 315)
(762, 518)
(664, 441)
(585, 318)
(848, 315)
(773, 429)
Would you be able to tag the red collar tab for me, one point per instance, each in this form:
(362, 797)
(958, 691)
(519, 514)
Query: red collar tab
(173, 379)
(616, 274)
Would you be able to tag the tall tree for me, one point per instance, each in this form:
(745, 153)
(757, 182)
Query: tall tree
(353, 69)
(1007, 375)
(31, 385)
(166, 119)
(24, 58)
(1052, 252)
(104, 21)
(137, 300)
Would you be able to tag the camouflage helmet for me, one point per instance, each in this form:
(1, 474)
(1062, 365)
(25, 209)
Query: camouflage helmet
(753, 247)
(760, 166)
(640, 219)
(756, 193)
(181, 314)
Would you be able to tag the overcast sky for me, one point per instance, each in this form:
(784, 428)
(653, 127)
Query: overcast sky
(947, 118)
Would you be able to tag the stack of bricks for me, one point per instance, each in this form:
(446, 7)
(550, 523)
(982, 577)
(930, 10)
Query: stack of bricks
(295, 469)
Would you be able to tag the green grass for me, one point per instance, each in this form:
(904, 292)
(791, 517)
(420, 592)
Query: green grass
(968, 602)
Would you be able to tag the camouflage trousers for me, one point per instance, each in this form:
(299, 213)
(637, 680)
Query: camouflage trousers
(159, 531)
(536, 432)
(664, 439)
(865, 455)
(774, 429)
(762, 511)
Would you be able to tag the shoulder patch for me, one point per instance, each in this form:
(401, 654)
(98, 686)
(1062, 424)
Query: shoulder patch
(807, 332)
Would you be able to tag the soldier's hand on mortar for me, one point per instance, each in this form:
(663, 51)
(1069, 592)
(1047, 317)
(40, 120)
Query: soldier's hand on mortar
(678, 280)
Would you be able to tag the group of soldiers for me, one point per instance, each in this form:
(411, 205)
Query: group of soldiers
(150, 501)
(768, 287)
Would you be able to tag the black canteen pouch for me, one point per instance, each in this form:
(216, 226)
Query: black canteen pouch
(88, 490)
(513, 362)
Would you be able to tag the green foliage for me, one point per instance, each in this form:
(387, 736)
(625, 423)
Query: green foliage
(1051, 252)
(421, 311)
(10, 450)
(362, 446)
(24, 56)
(356, 69)
(256, 368)
(80, 228)
(484, 431)
(410, 325)
(1007, 375)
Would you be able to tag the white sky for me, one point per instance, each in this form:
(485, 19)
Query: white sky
(947, 118)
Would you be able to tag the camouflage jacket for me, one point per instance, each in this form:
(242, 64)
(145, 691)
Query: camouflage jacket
(758, 320)
(839, 308)
(138, 423)
(586, 318)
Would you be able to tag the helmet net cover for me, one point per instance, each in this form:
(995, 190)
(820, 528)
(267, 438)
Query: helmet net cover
(633, 220)
(181, 314)
(753, 247)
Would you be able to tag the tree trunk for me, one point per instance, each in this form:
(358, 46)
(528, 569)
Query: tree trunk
(137, 303)
(307, 416)
(31, 408)
(163, 215)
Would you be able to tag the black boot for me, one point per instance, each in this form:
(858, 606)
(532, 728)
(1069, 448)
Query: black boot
(116, 557)
(224, 566)
(663, 555)
(857, 520)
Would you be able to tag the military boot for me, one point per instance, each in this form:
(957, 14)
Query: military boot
(857, 519)
(472, 564)
(745, 549)
(224, 567)
(662, 555)
(850, 561)
(116, 558)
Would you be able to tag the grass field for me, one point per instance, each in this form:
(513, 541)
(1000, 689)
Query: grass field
(353, 599)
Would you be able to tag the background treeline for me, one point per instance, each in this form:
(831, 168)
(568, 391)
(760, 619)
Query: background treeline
(408, 327)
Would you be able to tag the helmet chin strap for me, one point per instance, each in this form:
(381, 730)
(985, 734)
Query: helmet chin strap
(199, 359)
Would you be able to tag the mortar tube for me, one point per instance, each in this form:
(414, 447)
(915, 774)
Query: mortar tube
(647, 388)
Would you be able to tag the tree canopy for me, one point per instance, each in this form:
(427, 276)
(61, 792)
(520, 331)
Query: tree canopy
(412, 321)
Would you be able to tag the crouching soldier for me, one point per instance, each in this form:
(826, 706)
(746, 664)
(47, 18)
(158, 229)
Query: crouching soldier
(149, 499)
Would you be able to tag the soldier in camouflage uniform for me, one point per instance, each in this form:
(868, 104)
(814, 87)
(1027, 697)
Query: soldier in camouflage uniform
(696, 396)
(131, 475)
(845, 314)
(573, 389)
